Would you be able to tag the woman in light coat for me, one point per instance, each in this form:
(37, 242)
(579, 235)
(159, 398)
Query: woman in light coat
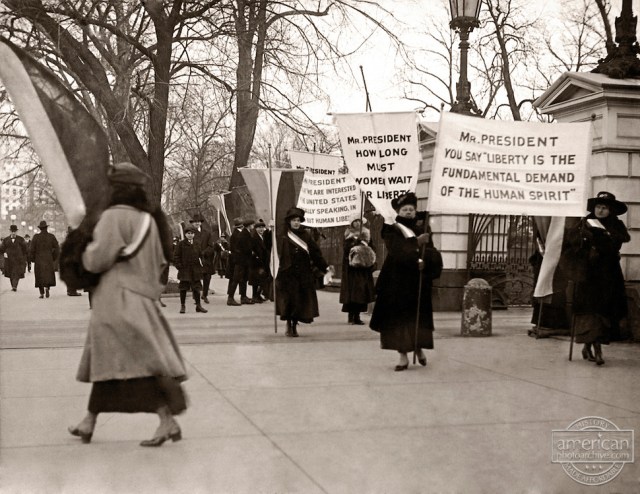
(130, 354)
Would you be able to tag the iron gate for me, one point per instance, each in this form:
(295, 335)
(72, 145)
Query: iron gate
(499, 251)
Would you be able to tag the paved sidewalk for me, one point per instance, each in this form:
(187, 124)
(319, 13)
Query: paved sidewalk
(323, 413)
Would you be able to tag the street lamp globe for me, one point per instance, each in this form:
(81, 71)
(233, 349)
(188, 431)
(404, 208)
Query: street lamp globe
(23, 223)
(465, 9)
(13, 217)
(464, 18)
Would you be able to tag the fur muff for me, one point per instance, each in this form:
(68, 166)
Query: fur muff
(362, 256)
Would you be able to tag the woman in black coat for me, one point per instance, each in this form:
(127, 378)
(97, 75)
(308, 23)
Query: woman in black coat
(356, 285)
(592, 250)
(394, 315)
(300, 258)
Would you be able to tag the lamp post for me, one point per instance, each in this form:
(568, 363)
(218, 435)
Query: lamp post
(464, 17)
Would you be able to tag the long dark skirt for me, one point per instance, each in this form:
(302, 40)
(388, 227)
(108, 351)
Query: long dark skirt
(145, 394)
(592, 328)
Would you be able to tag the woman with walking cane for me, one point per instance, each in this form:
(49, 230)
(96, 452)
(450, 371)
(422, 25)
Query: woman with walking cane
(130, 354)
(591, 253)
(404, 284)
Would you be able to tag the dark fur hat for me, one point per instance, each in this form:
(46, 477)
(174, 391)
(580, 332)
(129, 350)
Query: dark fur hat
(403, 200)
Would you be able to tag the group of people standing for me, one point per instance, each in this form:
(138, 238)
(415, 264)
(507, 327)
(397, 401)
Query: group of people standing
(132, 359)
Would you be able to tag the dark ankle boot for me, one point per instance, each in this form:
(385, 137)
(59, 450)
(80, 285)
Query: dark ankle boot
(294, 328)
(289, 331)
(350, 317)
(357, 320)
(587, 354)
(598, 351)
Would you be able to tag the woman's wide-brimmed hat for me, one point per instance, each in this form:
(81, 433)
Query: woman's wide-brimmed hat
(43, 224)
(295, 213)
(403, 200)
(616, 207)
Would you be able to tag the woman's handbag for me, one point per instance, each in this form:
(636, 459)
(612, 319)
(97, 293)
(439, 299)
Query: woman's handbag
(362, 256)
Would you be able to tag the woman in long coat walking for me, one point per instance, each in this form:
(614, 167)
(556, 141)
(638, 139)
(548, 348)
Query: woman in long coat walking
(357, 289)
(394, 314)
(130, 354)
(300, 258)
(44, 252)
(591, 252)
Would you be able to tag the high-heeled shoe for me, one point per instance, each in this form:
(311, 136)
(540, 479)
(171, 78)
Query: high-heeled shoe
(587, 354)
(84, 436)
(154, 442)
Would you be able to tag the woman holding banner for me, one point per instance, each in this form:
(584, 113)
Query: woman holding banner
(404, 269)
(358, 262)
(592, 253)
(130, 354)
(300, 261)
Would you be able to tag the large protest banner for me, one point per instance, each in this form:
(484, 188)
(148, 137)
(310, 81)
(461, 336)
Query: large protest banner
(329, 195)
(382, 153)
(503, 167)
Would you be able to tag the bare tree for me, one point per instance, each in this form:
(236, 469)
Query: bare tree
(200, 156)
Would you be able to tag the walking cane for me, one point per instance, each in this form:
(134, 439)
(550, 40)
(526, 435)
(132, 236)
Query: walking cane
(415, 343)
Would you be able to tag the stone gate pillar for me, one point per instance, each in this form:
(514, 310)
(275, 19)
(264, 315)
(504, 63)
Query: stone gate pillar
(613, 108)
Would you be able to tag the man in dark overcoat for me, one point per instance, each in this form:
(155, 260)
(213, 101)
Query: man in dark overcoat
(14, 250)
(260, 275)
(240, 245)
(44, 252)
(204, 238)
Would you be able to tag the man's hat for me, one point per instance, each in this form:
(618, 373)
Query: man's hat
(259, 224)
(238, 221)
(126, 173)
(403, 200)
(295, 213)
(13, 228)
(248, 222)
(196, 217)
(617, 207)
(43, 224)
(189, 228)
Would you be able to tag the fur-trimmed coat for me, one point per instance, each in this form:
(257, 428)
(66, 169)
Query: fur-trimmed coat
(128, 336)
(356, 284)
